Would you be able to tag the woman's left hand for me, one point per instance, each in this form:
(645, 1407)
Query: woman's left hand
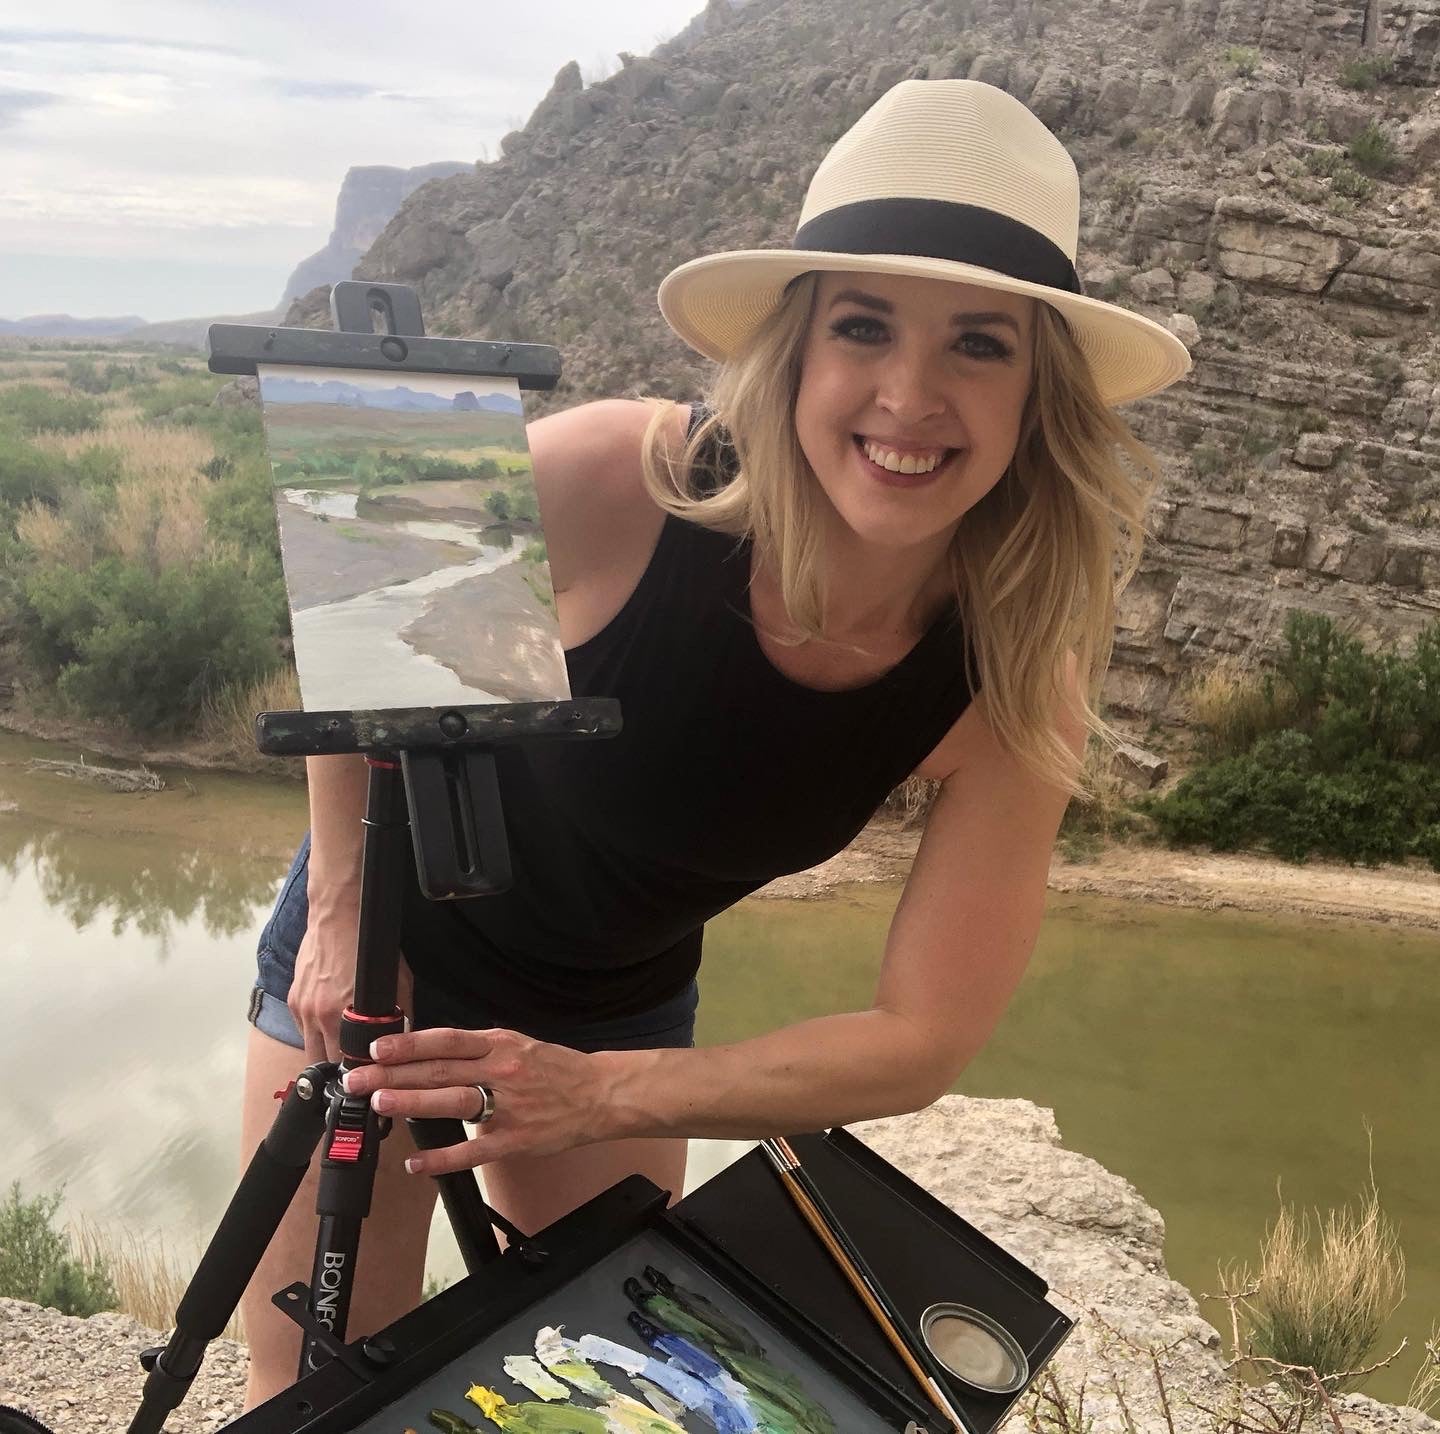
(545, 1097)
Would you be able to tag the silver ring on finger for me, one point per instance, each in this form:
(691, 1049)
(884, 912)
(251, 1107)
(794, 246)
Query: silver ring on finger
(487, 1105)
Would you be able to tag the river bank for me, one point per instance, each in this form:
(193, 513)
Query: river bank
(1404, 896)
(1407, 896)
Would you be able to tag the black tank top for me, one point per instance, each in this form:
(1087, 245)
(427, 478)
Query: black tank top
(726, 775)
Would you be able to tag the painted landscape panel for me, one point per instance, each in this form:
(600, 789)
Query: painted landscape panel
(414, 556)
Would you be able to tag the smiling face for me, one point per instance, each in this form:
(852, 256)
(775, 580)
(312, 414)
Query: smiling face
(910, 400)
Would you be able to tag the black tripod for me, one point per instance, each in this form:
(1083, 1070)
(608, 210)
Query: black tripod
(433, 783)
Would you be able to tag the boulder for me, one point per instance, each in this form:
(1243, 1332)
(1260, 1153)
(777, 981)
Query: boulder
(1404, 276)
(416, 247)
(1316, 450)
(495, 250)
(1154, 286)
(1265, 243)
(1184, 327)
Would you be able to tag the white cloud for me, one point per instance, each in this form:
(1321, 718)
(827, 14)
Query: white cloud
(206, 122)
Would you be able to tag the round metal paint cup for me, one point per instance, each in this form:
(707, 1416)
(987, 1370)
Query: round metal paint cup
(975, 1348)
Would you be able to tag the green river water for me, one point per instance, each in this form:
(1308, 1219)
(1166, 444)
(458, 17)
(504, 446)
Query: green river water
(1202, 1055)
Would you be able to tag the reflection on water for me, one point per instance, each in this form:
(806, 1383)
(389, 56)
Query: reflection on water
(483, 534)
(139, 883)
(324, 505)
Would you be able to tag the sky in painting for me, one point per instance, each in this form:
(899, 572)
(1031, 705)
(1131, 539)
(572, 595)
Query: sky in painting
(171, 158)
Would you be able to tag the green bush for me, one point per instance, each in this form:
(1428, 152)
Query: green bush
(27, 474)
(1365, 72)
(1243, 60)
(124, 642)
(1372, 151)
(28, 408)
(36, 1263)
(166, 400)
(1358, 774)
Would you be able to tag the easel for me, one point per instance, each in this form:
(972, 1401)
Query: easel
(432, 781)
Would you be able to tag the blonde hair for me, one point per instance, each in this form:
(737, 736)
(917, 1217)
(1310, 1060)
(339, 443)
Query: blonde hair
(1038, 563)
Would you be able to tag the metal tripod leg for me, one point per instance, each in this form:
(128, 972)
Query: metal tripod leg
(237, 1246)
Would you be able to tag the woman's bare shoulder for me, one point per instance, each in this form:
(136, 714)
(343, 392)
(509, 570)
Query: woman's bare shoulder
(601, 523)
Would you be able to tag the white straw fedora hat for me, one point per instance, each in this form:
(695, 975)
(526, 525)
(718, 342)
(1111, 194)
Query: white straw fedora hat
(945, 179)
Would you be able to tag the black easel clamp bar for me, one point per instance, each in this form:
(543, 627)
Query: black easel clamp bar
(323, 734)
(240, 348)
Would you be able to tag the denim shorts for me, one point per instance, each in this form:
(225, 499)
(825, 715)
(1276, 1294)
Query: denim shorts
(670, 1024)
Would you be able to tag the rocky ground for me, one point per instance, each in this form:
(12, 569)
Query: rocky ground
(999, 1163)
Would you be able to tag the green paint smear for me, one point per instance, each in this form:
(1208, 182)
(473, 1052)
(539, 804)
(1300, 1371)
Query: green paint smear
(583, 1377)
(533, 1418)
(780, 1394)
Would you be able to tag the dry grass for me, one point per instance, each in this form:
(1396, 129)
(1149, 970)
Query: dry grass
(149, 1277)
(145, 450)
(50, 382)
(1425, 1389)
(1324, 1289)
(158, 513)
(911, 800)
(1234, 705)
(227, 723)
(160, 520)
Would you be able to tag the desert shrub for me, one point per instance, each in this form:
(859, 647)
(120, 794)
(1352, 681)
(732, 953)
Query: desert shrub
(166, 400)
(124, 642)
(1365, 71)
(1324, 161)
(27, 474)
(37, 1263)
(27, 408)
(1356, 774)
(1324, 1290)
(1207, 460)
(1243, 60)
(1107, 814)
(1372, 151)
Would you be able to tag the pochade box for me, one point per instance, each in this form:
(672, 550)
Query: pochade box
(721, 1313)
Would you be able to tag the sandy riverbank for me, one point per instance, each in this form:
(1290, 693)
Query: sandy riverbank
(1398, 895)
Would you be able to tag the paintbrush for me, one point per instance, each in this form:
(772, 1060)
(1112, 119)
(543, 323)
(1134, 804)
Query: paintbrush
(816, 1211)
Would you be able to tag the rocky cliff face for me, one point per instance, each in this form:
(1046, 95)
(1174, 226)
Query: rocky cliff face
(369, 196)
(1260, 175)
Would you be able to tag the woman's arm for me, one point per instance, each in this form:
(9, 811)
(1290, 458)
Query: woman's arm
(325, 963)
(957, 947)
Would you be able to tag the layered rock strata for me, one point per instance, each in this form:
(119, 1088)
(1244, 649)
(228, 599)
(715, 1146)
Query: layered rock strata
(1260, 175)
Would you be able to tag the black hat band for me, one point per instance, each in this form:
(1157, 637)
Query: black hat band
(940, 229)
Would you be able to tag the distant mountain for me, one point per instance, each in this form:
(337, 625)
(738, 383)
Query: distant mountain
(401, 398)
(191, 332)
(369, 196)
(63, 326)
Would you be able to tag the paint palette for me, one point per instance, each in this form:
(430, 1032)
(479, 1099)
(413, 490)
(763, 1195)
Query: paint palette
(721, 1315)
(620, 1350)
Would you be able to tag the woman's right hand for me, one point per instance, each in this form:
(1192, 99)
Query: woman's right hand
(324, 983)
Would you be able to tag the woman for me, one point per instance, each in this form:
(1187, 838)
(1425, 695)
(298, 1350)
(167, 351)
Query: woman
(890, 547)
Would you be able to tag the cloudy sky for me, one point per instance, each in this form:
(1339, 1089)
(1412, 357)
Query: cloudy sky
(177, 158)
